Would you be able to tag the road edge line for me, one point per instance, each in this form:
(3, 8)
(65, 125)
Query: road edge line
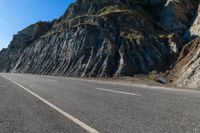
(67, 115)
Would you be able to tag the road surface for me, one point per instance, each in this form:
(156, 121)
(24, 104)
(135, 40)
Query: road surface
(46, 104)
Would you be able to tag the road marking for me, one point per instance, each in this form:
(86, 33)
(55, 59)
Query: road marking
(161, 88)
(152, 87)
(50, 80)
(120, 92)
(72, 118)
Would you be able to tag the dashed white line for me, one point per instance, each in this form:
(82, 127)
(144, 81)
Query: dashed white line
(120, 92)
(67, 115)
(50, 80)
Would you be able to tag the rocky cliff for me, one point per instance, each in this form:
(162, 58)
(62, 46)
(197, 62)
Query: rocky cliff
(188, 67)
(24, 39)
(194, 31)
(176, 15)
(103, 39)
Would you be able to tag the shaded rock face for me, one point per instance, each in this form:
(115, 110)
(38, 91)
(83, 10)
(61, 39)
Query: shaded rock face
(176, 15)
(189, 75)
(189, 60)
(24, 39)
(91, 7)
(195, 29)
(121, 42)
(101, 39)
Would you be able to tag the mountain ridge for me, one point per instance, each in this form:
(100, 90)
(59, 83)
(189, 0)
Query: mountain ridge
(104, 39)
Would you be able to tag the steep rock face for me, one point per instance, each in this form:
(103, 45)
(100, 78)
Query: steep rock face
(176, 15)
(195, 29)
(91, 7)
(103, 38)
(189, 62)
(9, 56)
(111, 41)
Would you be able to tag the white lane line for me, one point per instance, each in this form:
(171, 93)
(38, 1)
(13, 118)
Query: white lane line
(50, 80)
(72, 118)
(162, 88)
(120, 92)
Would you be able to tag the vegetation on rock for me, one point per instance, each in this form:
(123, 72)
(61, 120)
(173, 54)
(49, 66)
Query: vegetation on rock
(103, 39)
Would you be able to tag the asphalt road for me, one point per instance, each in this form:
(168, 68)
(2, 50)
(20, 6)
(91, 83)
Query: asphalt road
(45, 104)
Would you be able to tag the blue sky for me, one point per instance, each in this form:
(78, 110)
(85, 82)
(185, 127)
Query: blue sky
(15, 15)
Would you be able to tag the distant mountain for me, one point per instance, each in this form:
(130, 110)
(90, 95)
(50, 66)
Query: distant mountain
(105, 38)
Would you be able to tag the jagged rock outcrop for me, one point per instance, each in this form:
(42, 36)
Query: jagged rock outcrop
(116, 41)
(176, 15)
(189, 66)
(195, 29)
(24, 39)
(102, 39)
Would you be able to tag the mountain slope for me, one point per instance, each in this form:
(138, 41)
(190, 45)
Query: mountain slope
(195, 28)
(24, 38)
(189, 74)
(103, 39)
(117, 40)
(175, 15)
(188, 67)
